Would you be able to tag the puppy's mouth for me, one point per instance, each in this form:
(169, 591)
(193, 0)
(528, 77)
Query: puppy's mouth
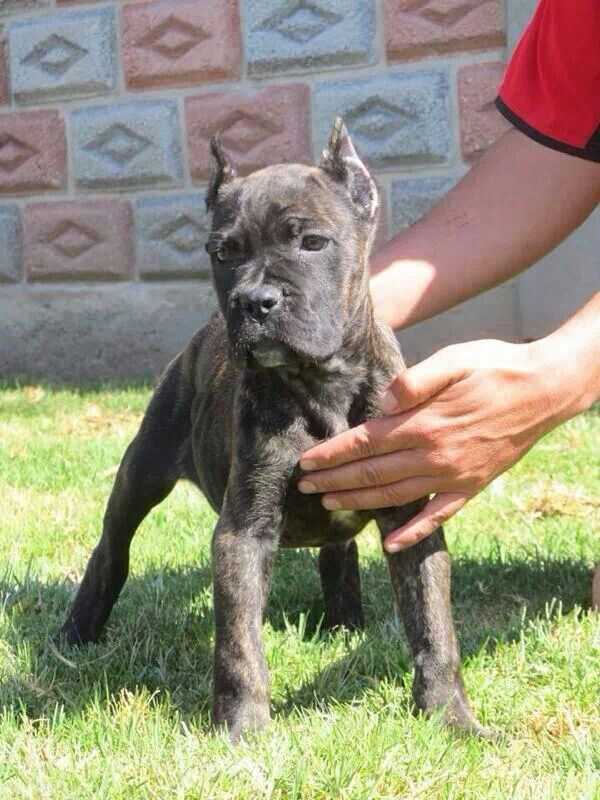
(253, 348)
(270, 354)
(267, 354)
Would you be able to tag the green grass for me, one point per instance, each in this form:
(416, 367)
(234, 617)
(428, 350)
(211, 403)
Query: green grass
(128, 718)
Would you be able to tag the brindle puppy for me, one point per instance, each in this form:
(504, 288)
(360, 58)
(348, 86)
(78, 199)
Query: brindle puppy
(295, 356)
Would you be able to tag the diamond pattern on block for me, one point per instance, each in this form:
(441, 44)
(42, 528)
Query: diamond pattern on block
(55, 55)
(485, 108)
(13, 153)
(183, 234)
(72, 240)
(118, 144)
(442, 13)
(242, 132)
(378, 119)
(173, 38)
(302, 21)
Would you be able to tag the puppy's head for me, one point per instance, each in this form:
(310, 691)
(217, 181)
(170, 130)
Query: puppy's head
(289, 247)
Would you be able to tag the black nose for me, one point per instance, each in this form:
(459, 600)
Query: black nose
(258, 303)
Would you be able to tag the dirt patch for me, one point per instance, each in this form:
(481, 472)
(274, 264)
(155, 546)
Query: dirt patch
(556, 500)
(95, 420)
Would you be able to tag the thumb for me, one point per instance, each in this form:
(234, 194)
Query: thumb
(418, 384)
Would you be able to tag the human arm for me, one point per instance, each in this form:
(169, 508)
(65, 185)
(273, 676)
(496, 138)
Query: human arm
(472, 410)
(456, 421)
(514, 206)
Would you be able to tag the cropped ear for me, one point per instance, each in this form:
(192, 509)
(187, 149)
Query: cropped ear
(341, 161)
(223, 172)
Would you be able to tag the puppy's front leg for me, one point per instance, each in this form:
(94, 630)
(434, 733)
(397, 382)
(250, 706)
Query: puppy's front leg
(242, 560)
(421, 580)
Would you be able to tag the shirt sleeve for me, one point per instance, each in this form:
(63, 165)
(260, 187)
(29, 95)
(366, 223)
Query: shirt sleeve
(551, 88)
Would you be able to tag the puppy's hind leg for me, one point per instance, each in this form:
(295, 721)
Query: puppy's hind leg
(148, 472)
(340, 580)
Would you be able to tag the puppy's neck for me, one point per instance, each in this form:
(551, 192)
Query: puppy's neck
(357, 341)
(336, 381)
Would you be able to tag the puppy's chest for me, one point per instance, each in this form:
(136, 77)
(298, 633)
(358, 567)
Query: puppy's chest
(332, 413)
(323, 423)
(310, 415)
(307, 522)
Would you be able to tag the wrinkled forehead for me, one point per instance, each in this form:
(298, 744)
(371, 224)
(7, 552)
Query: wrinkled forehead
(275, 194)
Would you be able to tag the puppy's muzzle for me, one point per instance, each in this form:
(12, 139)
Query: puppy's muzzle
(259, 302)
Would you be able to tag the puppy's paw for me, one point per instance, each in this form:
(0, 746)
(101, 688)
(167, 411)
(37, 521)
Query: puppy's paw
(450, 704)
(74, 634)
(240, 716)
(350, 619)
(460, 717)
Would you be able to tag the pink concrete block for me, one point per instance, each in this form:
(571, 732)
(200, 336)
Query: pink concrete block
(32, 152)
(84, 240)
(480, 122)
(4, 74)
(177, 44)
(415, 28)
(256, 128)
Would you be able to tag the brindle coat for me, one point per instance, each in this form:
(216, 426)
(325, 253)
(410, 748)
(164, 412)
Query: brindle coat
(295, 356)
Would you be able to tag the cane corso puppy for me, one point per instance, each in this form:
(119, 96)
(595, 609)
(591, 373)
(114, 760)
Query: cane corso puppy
(294, 356)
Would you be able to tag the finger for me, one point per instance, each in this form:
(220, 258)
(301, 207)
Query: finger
(366, 473)
(419, 383)
(437, 511)
(392, 494)
(372, 438)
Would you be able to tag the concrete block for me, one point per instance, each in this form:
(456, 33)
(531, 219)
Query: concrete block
(67, 54)
(17, 6)
(127, 145)
(10, 244)
(480, 121)
(397, 119)
(436, 27)
(33, 152)
(80, 2)
(167, 44)
(76, 333)
(492, 315)
(412, 198)
(308, 35)
(89, 240)
(255, 128)
(518, 14)
(4, 71)
(171, 232)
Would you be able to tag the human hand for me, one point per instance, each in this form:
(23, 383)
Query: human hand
(453, 423)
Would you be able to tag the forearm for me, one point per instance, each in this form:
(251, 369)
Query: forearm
(568, 361)
(517, 204)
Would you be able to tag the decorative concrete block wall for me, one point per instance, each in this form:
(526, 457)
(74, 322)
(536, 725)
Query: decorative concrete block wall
(106, 110)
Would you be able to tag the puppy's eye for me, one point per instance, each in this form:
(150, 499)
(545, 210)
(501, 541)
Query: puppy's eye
(228, 251)
(218, 248)
(314, 242)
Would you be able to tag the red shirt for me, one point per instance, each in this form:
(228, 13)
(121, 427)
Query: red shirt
(551, 88)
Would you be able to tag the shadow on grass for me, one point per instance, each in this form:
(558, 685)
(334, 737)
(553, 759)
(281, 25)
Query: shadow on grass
(161, 633)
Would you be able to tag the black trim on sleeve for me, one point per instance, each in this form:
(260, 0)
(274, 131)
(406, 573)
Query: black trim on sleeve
(595, 140)
(591, 152)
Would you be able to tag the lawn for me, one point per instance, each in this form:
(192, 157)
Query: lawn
(129, 717)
